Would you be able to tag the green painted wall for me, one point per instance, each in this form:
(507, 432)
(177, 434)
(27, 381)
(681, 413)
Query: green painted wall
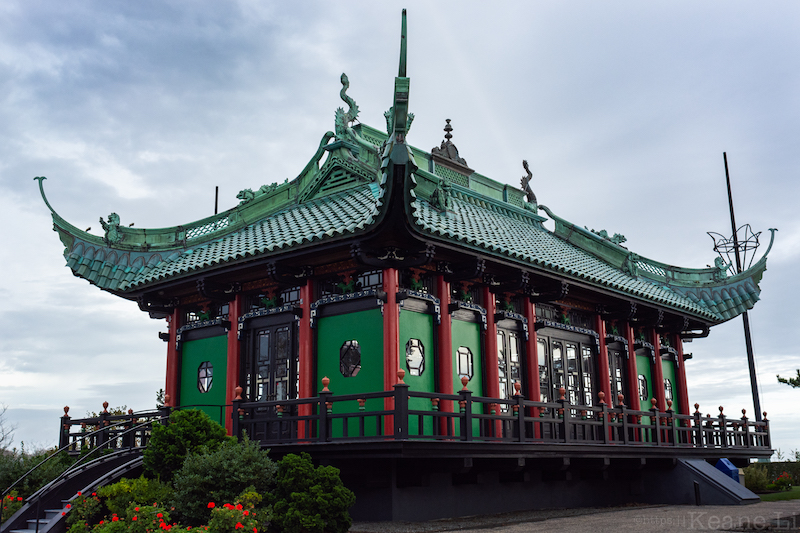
(643, 367)
(670, 373)
(468, 334)
(419, 326)
(193, 353)
(366, 327)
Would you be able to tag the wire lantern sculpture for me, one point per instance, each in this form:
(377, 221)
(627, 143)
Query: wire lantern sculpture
(747, 243)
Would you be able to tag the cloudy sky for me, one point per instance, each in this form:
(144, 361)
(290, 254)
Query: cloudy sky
(623, 110)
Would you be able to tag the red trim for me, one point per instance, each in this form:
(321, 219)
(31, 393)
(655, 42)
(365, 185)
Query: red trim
(602, 362)
(306, 352)
(490, 345)
(633, 373)
(658, 373)
(391, 336)
(683, 390)
(173, 358)
(234, 357)
(532, 359)
(444, 345)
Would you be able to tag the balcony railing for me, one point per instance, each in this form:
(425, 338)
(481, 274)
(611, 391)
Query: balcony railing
(403, 415)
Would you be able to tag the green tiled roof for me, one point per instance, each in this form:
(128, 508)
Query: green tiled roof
(338, 214)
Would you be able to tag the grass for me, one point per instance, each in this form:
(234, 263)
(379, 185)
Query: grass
(793, 494)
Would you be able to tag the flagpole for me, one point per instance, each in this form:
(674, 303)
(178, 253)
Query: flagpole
(751, 362)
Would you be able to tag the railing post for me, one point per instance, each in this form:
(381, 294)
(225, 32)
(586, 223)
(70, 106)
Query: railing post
(564, 413)
(767, 438)
(655, 422)
(63, 435)
(723, 430)
(698, 427)
(128, 437)
(400, 407)
(746, 428)
(671, 437)
(165, 410)
(465, 406)
(520, 412)
(236, 413)
(104, 425)
(604, 416)
(324, 403)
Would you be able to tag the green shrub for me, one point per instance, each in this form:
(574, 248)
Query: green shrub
(784, 481)
(141, 491)
(86, 509)
(230, 518)
(308, 499)
(220, 476)
(146, 518)
(188, 431)
(11, 504)
(17, 463)
(755, 477)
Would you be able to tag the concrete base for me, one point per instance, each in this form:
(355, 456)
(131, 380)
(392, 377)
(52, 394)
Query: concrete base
(419, 489)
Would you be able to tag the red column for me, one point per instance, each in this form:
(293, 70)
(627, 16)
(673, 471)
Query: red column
(658, 373)
(633, 374)
(444, 349)
(490, 353)
(306, 353)
(532, 360)
(173, 358)
(234, 357)
(602, 362)
(683, 390)
(391, 339)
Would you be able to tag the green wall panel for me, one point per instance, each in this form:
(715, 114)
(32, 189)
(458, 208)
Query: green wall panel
(643, 367)
(669, 370)
(414, 325)
(366, 327)
(468, 334)
(193, 353)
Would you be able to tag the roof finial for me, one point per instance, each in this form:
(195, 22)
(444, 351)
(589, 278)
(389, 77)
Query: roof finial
(402, 71)
(447, 129)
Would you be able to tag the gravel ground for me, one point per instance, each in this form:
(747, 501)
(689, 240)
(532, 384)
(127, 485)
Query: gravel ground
(662, 518)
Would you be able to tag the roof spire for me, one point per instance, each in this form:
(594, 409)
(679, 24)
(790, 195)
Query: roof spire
(402, 71)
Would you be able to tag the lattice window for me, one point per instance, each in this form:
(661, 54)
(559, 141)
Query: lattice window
(652, 269)
(643, 393)
(205, 229)
(370, 280)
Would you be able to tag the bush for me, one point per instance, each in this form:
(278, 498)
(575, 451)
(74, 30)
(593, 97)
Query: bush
(85, 510)
(755, 477)
(784, 481)
(220, 476)
(17, 463)
(141, 491)
(230, 518)
(308, 499)
(188, 431)
(11, 504)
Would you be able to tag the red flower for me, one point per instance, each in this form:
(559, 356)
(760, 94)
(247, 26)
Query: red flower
(211, 505)
(134, 518)
(101, 521)
(255, 530)
(238, 506)
(115, 519)
(63, 514)
(246, 513)
(79, 493)
(69, 505)
(159, 515)
(135, 508)
(94, 494)
(19, 498)
(239, 525)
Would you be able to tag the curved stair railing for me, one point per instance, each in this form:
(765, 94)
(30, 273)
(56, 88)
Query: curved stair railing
(83, 475)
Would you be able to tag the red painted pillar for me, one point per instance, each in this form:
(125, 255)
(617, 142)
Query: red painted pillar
(173, 358)
(444, 349)
(602, 362)
(658, 373)
(633, 373)
(391, 339)
(683, 390)
(532, 360)
(234, 358)
(305, 354)
(490, 353)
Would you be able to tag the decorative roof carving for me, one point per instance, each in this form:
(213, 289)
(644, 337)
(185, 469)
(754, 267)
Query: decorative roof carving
(525, 183)
(448, 150)
(113, 235)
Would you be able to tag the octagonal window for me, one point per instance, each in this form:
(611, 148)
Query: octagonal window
(350, 358)
(415, 357)
(464, 360)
